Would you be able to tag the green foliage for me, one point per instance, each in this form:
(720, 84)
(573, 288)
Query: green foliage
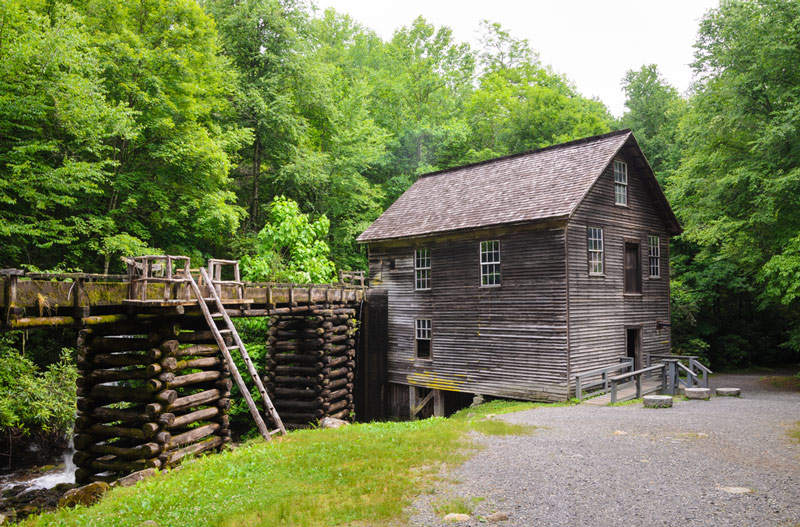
(290, 248)
(254, 333)
(654, 112)
(736, 189)
(115, 134)
(521, 105)
(36, 405)
(55, 125)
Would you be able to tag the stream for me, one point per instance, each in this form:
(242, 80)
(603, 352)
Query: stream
(28, 491)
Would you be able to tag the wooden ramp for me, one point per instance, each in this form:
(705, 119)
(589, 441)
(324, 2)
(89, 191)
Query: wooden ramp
(625, 393)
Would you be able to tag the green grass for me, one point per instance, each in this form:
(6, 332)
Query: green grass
(355, 475)
(641, 401)
(789, 383)
(626, 403)
(794, 432)
(446, 506)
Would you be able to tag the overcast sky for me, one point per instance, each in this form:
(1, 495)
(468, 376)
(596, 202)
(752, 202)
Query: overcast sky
(593, 42)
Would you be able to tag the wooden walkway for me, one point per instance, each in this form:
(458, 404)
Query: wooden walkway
(624, 393)
(30, 300)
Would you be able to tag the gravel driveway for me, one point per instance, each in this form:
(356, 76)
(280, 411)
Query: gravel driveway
(723, 462)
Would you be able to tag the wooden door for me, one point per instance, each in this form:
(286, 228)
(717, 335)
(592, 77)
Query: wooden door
(633, 268)
(633, 338)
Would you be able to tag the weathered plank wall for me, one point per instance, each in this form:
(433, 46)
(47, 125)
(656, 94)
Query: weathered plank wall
(506, 341)
(599, 310)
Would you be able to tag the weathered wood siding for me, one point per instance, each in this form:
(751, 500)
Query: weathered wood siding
(599, 312)
(505, 341)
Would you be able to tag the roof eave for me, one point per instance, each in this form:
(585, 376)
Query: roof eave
(560, 217)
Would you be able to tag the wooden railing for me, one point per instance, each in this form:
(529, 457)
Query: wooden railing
(638, 378)
(353, 278)
(29, 300)
(670, 374)
(597, 381)
(693, 368)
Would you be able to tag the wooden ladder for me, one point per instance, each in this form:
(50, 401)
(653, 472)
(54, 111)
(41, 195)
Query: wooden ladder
(230, 329)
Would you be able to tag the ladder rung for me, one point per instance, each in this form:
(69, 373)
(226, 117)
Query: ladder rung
(216, 315)
(233, 348)
(276, 431)
(225, 330)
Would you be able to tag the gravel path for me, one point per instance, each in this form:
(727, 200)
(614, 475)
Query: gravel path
(723, 462)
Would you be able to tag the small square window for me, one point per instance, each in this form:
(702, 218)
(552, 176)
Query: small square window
(422, 269)
(595, 245)
(490, 263)
(620, 183)
(654, 253)
(422, 338)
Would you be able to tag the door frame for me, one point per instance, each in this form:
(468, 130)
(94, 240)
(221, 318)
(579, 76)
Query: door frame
(638, 358)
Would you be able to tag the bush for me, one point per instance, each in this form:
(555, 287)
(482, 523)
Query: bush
(37, 406)
(254, 333)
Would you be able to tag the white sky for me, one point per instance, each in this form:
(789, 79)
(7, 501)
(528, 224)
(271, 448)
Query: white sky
(593, 42)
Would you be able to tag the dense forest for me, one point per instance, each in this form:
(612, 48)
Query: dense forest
(268, 131)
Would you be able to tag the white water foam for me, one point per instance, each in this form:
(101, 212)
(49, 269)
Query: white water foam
(53, 478)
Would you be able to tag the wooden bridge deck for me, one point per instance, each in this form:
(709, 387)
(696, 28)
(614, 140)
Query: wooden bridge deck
(79, 299)
(625, 393)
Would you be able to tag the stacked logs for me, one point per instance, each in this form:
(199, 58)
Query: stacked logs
(311, 363)
(148, 395)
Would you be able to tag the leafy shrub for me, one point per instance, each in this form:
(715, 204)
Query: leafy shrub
(254, 334)
(291, 247)
(37, 406)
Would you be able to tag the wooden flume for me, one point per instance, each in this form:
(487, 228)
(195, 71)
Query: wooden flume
(154, 356)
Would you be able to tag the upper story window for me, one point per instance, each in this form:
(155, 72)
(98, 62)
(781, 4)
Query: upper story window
(422, 269)
(490, 263)
(654, 253)
(620, 183)
(595, 244)
(422, 338)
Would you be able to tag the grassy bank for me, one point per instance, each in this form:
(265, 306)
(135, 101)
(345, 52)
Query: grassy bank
(351, 476)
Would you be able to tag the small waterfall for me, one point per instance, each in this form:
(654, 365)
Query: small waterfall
(53, 478)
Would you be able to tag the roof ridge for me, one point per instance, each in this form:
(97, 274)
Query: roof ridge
(529, 152)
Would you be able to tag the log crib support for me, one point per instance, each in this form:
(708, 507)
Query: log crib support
(311, 364)
(147, 397)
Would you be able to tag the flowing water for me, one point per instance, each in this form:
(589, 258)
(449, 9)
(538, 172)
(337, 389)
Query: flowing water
(49, 479)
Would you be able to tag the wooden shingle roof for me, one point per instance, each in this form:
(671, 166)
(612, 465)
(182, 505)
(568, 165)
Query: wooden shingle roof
(543, 184)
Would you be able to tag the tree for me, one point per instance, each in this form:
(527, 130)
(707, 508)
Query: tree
(520, 105)
(161, 61)
(420, 93)
(55, 127)
(290, 248)
(737, 189)
(654, 111)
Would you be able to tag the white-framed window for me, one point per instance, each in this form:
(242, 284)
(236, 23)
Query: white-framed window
(490, 263)
(422, 269)
(422, 338)
(594, 236)
(620, 183)
(654, 253)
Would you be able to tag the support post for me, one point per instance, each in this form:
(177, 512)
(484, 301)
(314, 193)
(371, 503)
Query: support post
(672, 376)
(438, 403)
(413, 401)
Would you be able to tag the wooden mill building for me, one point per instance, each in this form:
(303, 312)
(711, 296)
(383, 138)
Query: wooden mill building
(509, 276)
